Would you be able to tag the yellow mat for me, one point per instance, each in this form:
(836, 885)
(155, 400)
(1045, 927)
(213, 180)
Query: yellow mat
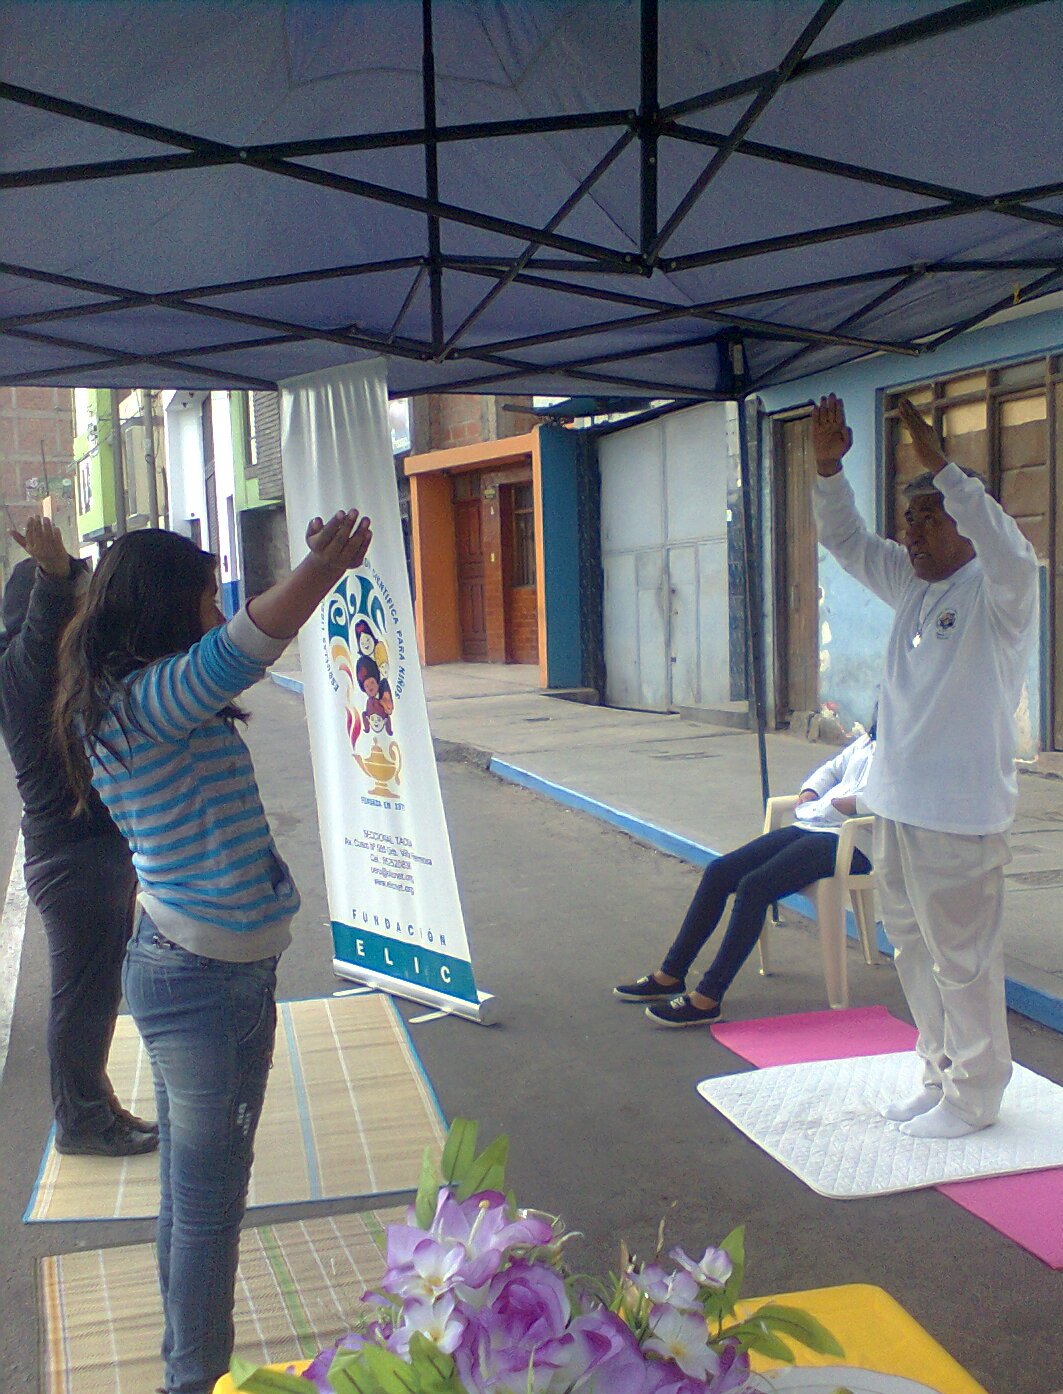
(348, 1113)
(876, 1333)
(297, 1286)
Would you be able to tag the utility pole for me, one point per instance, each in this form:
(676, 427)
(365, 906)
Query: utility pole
(147, 404)
(120, 508)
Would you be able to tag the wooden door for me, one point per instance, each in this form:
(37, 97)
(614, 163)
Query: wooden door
(796, 569)
(520, 593)
(472, 616)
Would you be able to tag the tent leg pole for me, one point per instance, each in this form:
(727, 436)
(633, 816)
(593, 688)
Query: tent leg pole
(754, 611)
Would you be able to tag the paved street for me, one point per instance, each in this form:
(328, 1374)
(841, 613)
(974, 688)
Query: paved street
(702, 783)
(605, 1124)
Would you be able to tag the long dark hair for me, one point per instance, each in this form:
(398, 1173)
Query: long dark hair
(143, 603)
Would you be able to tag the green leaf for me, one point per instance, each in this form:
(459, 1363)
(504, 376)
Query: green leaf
(488, 1172)
(427, 1190)
(723, 1304)
(799, 1326)
(392, 1373)
(256, 1379)
(459, 1150)
(434, 1369)
(753, 1335)
(348, 1375)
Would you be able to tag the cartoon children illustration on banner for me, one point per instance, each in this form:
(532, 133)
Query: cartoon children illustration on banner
(365, 672)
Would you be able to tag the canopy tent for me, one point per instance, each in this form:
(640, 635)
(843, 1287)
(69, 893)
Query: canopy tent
(518, 195)
(663, 198)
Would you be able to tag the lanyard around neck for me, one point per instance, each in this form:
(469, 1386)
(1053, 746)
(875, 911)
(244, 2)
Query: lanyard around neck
(917, 637)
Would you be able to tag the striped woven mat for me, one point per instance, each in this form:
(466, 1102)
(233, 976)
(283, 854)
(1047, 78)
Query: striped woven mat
(348, 1112)
(297, 1289)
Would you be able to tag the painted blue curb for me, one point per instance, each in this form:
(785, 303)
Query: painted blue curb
(1028, 1001)
(1032, 1002)
(289, 683)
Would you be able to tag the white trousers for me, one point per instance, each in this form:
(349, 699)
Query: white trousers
(942, 899)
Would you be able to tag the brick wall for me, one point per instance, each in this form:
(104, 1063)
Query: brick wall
(267, 468)
(523, 625)
(29, 418)
(446, 420)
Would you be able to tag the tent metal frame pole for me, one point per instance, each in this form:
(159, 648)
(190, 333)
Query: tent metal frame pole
(858, 174)
(836, 232)
(648, 124)
(754, 608)
(884, 41)
(770, 85)
(511, 274)
(1037, 287)
(882, 298)
(431, 175)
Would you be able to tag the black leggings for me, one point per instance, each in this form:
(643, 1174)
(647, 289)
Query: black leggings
(757, 874)
(85, 894)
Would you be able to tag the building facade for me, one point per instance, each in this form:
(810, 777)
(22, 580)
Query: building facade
(505, 539)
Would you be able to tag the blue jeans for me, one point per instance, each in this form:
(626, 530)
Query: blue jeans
(758, 873)
(208, 1027)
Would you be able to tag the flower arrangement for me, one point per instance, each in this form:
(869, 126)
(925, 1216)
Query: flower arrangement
(477, 1299)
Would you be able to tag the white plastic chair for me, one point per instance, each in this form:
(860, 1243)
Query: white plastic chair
(830, 894)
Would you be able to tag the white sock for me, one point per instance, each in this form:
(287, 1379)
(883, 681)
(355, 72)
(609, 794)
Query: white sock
(906, 1109)
(941, 1121)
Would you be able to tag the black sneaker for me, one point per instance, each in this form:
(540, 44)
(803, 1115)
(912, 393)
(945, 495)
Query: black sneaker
(130, 1120)
(680, 1011)
(118, 1140)
(646, 989)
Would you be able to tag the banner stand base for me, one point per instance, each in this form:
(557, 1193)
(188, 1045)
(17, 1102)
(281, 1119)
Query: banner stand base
(484, 1012)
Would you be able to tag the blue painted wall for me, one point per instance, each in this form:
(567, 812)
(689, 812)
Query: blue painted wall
(230, 597)
(854, 625)
(559, 453)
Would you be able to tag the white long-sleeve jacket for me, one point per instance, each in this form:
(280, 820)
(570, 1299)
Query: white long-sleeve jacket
(844, 774)
(955, 663)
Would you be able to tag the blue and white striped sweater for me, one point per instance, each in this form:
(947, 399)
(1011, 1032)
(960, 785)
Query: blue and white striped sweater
(187, 801)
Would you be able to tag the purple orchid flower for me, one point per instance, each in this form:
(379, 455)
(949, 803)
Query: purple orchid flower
(679, 1290)
(316, 1373)
(733, 1376)
(712, 1270)
(440, 1321)
(425, 1270)
(684, 1338)
(606, 1358)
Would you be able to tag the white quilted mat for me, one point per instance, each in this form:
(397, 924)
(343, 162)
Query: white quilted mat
(821, 1121)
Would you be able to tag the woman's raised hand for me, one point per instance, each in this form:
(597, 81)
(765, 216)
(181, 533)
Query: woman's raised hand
(340, 544)
(44, 542)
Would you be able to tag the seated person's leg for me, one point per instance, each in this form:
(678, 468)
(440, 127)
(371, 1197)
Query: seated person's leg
(720, 879)
(808, 857)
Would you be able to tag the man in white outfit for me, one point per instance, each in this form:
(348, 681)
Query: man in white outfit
(943, 786)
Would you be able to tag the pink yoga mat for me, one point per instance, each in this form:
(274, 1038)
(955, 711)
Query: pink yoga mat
(1027, 1208)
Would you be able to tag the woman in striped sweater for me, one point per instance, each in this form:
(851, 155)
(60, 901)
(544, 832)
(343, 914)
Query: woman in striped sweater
(149, 675)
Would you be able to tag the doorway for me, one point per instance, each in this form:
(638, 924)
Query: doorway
(472, 614)
(796, 568)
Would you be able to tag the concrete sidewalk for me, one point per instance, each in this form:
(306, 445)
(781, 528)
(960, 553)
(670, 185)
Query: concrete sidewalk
(694, 791)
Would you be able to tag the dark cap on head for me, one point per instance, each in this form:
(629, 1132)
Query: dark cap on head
(926, 483)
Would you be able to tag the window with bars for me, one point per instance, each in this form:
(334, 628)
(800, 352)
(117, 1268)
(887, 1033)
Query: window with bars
(522, 550)
(995, 422)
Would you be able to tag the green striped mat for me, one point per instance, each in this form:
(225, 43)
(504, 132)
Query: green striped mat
(297, 1287)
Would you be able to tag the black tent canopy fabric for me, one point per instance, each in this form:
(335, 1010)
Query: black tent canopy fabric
(518, 195)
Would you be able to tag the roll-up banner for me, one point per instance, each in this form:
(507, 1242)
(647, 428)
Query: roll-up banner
(393, 897)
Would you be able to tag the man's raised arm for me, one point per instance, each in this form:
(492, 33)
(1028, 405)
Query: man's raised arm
(875, 562)
(1008, 561)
